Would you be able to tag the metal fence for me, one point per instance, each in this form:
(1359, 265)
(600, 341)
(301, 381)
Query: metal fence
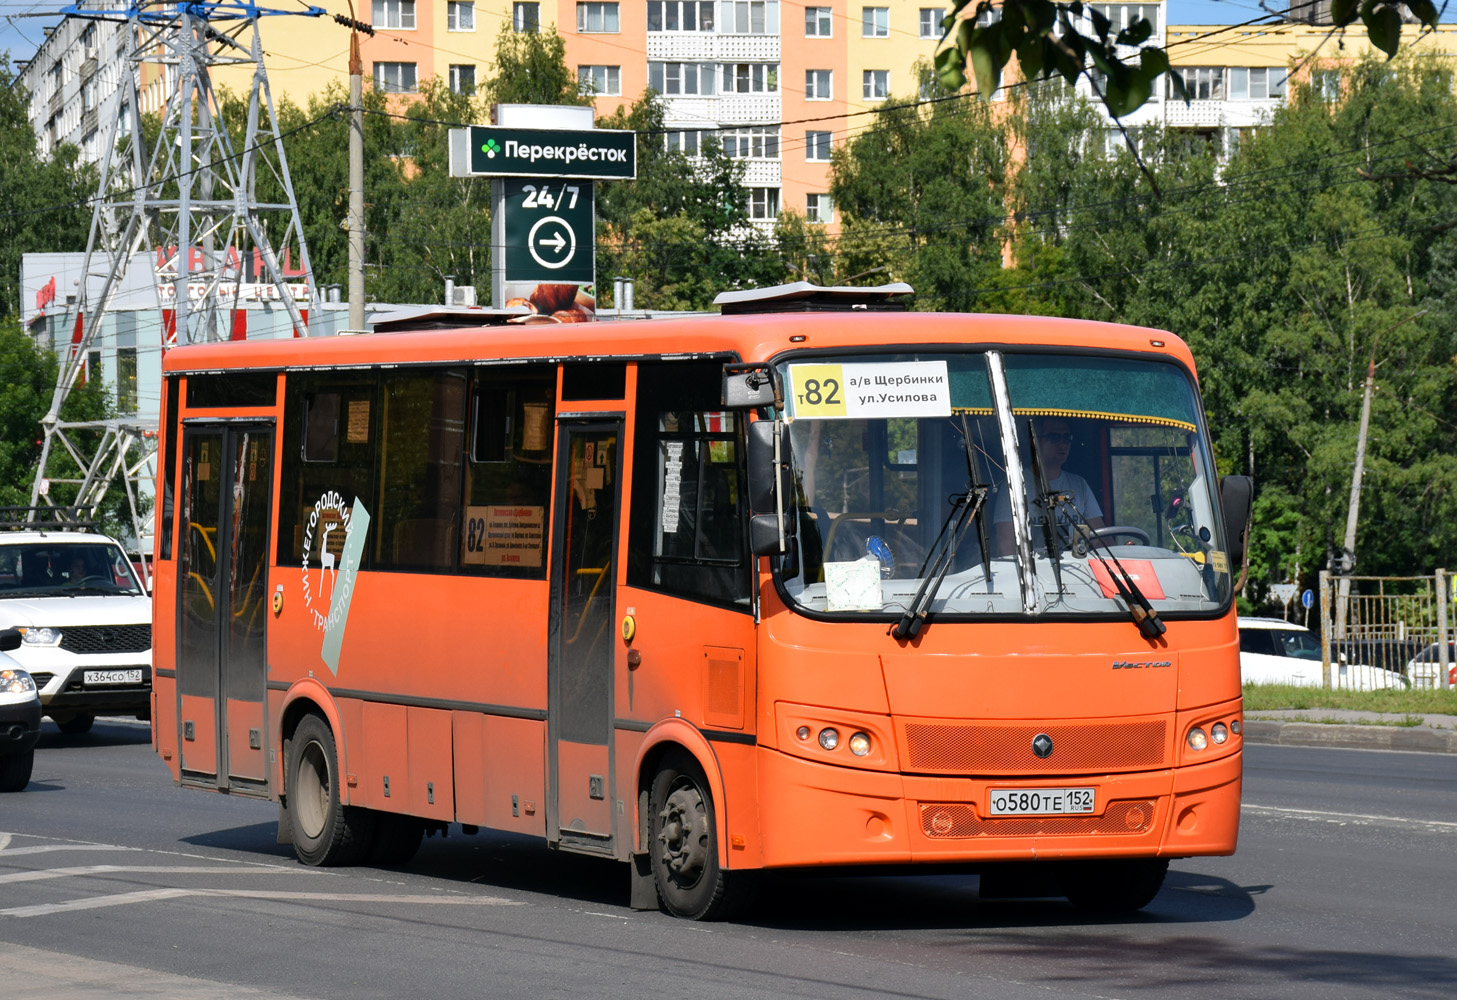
(1386, 631)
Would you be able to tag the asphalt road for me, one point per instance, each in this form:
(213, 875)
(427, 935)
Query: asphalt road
(115, 883)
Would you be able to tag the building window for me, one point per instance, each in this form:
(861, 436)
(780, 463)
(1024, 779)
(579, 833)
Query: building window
(526, 17)
(818, 208)
(1326, 84)
(687, 142)
(460, 15)
(989, 17)
(1257, 83)
(1125, 15)
(817, 84)
(763, 204)
(877, 84)
(931, 21)
(597, 18)
(126, 379)
(750, 78)
(462, 78)
(680, 15)
(396, 14)
(875, 22)
(395, 77)
(676, 79)
(817, 146)
(817, 22)
(1204, 83)
(93, 366)
(760, 143)
(603, 80)
(750, 17)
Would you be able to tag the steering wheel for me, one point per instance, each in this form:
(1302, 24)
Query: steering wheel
(1116, 530)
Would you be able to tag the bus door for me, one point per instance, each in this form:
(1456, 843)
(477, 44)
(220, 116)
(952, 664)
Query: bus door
(581, 629)
(223, 603)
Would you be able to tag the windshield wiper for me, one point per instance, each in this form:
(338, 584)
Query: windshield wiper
(964, 507)
(1048, 501)
(1150, 626)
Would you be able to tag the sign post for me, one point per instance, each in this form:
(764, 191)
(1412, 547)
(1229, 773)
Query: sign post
(543, 201)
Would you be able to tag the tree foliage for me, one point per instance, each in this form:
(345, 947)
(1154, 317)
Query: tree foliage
(44, 203)
(1072, 40)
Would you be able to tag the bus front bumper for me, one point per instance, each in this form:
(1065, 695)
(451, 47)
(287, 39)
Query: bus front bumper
(815, 815)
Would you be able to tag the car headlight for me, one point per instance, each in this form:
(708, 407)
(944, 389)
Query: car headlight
(13, 680)
(40, 636)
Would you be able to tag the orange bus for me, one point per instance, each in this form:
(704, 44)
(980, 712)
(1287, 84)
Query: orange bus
(812, 583)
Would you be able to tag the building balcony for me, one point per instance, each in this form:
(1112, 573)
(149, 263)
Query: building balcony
(88, 120)
(687, 47)
(762, 173)
(725, 109)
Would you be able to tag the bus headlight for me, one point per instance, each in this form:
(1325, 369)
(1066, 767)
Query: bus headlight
(1198, 739)
(1218, 733)
(860, 744)
(829, 738)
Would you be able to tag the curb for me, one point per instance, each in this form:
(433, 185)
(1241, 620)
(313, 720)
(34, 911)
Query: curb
(1317, 734)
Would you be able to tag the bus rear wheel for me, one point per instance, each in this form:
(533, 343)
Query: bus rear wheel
(1113, 886)
(684, 842)
(396, 839)
(325, 831)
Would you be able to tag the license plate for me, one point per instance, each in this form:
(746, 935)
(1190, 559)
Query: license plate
(113, 677)
(1040, 801)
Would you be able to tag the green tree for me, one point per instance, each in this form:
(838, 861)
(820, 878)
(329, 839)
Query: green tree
(531, 68)
(44, 203)
(922, 196)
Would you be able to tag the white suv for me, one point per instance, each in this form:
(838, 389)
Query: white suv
(86, 623)
(1272, 651)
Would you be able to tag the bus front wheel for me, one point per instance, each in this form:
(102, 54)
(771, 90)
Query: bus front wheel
(325, 831)
(1113, 886)
(684, 841)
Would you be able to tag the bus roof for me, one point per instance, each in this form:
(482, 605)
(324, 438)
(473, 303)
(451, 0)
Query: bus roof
(751, 338)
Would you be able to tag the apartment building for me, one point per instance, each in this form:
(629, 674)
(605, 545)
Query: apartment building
(781, 85)
(75, 82)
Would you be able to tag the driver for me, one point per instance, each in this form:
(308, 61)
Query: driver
(1054, 445)
(78, 570)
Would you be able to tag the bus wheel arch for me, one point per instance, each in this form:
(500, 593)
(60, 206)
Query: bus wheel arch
(665, 738)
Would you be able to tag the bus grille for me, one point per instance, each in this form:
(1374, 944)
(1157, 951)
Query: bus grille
(107, 639)
(959, 821)
(1007, 749)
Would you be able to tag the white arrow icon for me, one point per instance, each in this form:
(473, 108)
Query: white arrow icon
(564, 237)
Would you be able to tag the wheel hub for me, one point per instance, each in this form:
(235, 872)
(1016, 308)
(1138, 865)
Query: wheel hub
(683, 834)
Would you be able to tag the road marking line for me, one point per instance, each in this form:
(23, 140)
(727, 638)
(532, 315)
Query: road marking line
(94, 902)
(150, 895)
(1350, 817)
(42, 848)
(46, 873)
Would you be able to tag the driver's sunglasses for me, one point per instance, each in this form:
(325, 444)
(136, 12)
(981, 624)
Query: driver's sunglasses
(1057, 438)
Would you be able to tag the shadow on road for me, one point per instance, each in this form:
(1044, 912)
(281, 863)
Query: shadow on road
(256, 838)
(102, 734)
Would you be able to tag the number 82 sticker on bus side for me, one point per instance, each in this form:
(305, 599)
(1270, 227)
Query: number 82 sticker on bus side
(864, 391)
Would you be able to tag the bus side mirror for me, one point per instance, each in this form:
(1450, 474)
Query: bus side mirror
(769, 529)
(748, 386)
(1236, 496)
(9, 640)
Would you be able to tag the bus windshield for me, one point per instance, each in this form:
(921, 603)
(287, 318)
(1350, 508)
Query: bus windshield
(999, 484)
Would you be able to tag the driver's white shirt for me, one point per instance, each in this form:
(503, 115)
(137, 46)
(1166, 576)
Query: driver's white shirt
(1064, 482)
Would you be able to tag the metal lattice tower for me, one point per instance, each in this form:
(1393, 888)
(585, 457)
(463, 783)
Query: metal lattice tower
(194, 196)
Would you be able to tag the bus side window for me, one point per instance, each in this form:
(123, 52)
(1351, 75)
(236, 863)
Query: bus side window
(508, 478)
(329, 457)
(688, 511)
(422, 448)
